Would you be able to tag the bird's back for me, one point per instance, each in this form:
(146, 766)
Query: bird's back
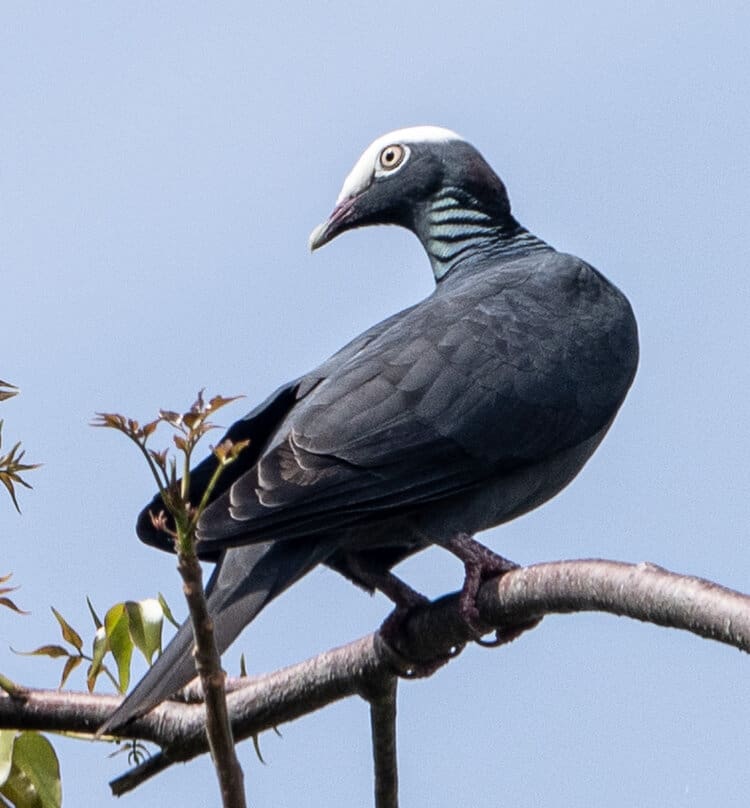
(502, 367)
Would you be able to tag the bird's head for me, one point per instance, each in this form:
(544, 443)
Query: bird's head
(405, 175)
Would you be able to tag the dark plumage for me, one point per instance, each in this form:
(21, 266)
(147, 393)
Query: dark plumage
(455, 415)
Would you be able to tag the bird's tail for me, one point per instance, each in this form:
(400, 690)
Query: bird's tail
(244, 581)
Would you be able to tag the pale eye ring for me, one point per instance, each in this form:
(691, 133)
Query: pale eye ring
(391, 157)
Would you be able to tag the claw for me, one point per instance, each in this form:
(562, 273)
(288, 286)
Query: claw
(480, 564)
(391, 633)
(491, 643)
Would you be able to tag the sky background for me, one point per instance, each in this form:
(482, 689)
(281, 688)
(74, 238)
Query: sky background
(160, 171)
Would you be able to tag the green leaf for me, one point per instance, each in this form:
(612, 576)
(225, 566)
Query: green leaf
(167, 611)
(68, 632)
(101, 646)
(116, 626)
(7, 739)
(146, 619)
(10, 687)
(34, 780)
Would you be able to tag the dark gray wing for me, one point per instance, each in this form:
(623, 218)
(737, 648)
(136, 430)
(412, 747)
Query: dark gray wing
(492, 372)
(256, 427)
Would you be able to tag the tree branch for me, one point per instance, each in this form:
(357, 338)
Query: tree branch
(365, 666)
(208, 666)
(383, 725)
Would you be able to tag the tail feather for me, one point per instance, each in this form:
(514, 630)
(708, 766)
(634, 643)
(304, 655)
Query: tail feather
(245, 580)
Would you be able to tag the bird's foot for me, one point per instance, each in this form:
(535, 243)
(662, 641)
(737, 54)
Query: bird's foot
(507, 634)
(480, 565)
(392, 632)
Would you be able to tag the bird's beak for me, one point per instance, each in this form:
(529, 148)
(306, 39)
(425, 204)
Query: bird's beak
(341, 219)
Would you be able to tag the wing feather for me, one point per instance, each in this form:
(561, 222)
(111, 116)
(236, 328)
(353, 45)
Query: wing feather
(477, 380)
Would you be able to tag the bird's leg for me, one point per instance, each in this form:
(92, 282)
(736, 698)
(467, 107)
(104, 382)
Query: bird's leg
(399, 592)
(480, 564)
(405, 599)
(396, 590)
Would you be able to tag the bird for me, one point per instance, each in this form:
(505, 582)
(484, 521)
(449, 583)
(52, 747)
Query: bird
(457, 414)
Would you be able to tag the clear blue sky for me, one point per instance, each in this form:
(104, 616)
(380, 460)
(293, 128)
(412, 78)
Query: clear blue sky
(160, 170)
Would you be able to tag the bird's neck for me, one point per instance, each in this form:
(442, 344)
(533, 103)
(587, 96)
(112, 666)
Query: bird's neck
(457, 229)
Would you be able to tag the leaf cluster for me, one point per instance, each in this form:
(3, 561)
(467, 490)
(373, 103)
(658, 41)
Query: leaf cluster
(126, 626)
(11, 463)
(4, 590)
(174, 482)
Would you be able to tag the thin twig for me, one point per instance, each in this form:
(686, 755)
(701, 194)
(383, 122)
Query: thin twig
(383, 727)
(208, 665)
(143, 771)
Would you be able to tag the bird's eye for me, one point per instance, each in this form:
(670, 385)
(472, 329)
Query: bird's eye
(391, 157)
